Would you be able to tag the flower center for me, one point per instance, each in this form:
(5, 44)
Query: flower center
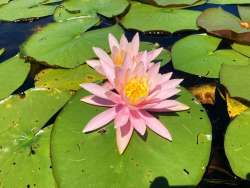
(245, 25)
(119, 59)
(136, 89)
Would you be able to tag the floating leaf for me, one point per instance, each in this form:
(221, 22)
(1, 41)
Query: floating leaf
(72, 9)
(25, 9)
(205, 93)
(67, 44)
(164, 57)
(76, 156)
(4, 2)
(13, 73)
(24, 147)
(237, 145)
(2, 50)
(205, 60)
(224, 24)
(149, 18)
(244, 12)
(241, 48)
(171, 2)
(236, 79)
(228, 1)
(67, 79)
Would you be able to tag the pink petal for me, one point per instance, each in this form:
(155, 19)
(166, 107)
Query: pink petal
(103, 56)
(96, 90)
(113, 42)
(94, 100)
(155, 125)
(114, 97)
(173, 83)
(138, 123)
(95, 64)
(108, 85)
(100, 120)
(154, 54)
(109, 72)
(164, 94)
(123, 42)
(123, 135)
(122, 117)
(166, 106)
(135, 44)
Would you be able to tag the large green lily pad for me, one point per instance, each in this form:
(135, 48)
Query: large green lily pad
(67, 79)
(236, 80)
(25, 9)
(149, 18)
(228, 1)
(68, 44)
(92, 160)
(197, 54)
(241, 48)
(237, 145)
(24, 146)
(75, 8)
(13, 73)
(224, 24)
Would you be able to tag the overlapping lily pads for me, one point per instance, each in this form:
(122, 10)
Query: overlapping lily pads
(171, 2)
(148, 18)
(197, 54)
(241, 48)
(228, 1)
(68, 44)
(224, 24)
(229, 77)
(237, 145)
(67, 79)
(24, 145)
(13, 73)
(77, 156)
(25, 9)
(80, 8)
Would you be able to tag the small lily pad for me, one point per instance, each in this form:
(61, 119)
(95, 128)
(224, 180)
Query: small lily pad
(197, 54)
(228, 1)
(76, 156)
(24, 145)
(2, 50)
(13, 73)
(25, 9)
(224, 24)
(237, 145)
(149, 18)
(236, 79)
(171, 2)
(68, 44)
(67, 79)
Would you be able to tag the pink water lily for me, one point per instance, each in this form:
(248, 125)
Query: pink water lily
(121, 50)
(131, 93)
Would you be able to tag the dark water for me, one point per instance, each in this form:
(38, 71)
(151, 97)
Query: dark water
(218, 174)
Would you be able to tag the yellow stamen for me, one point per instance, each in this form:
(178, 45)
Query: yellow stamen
(136, 89)
(245, 25)
(119, 59)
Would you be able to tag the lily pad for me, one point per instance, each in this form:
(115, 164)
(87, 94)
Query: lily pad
(2, 50)
(165, 55)
(25, 9)
(67, 79)
(2, 2)
(76, 157)
(68, 44)
(205, 60)
(229, 77)
(24, 146)
(149, 18)
(81, 8)
(228, 1)
(237, 145)
(241, 48)
(172, 3)
(13, 73)
(224, 24)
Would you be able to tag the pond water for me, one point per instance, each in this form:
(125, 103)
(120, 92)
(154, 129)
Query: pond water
(218, 173)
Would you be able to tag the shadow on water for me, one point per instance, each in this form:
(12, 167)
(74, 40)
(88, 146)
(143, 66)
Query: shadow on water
(162, 182)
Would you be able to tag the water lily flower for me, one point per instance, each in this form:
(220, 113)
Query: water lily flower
(121, 50)
(137, 91)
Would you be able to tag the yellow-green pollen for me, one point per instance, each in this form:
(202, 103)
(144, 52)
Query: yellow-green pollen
(136, 89)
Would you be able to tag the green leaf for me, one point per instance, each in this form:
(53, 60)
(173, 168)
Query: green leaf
(236, 79)
(2, 50)
(224, 24)
(80, 8)
(244, 12)
(68, 44)
(197, 54)
(237, 145)
(92, 160)
(164, 57)
(25, 9)
(228, 1)
(24, 146)
(241, 48)
(67, 79)
(171, 2)
(149, 18)
(13, 73)
(2, 2)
